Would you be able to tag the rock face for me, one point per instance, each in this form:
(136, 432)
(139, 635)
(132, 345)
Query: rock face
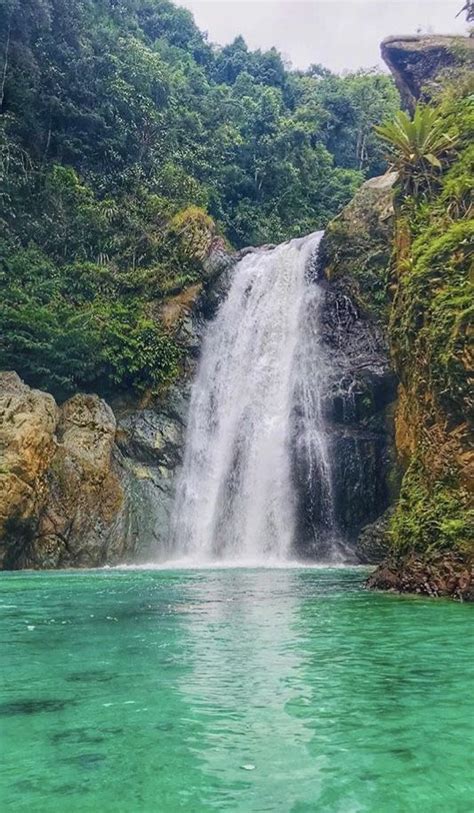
(362, 389)
(418, 62)
(362, 386)
(151, 443)
(439, 574)
(373, 544)
(62, 498)
(356, 247)
(82, 523)
(28, 419)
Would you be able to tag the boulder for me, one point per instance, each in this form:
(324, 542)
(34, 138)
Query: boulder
(62, 501)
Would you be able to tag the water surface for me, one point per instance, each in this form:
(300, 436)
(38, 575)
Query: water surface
(232, 690)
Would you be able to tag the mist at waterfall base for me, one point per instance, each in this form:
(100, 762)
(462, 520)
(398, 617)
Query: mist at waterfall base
(256, 435)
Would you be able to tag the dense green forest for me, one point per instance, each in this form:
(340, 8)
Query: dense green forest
(124, 135)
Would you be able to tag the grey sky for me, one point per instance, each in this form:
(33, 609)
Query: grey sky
(341, 34)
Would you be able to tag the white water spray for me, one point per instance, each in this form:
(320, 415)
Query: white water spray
(255, 408)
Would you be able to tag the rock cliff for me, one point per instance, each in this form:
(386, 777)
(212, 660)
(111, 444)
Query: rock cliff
(62, 498)
(420, 63)
(402, 265)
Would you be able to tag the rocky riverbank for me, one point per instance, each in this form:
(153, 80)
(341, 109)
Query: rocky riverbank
(63, 498)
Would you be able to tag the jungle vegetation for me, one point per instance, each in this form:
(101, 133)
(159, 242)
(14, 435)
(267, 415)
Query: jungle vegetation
(122, 132)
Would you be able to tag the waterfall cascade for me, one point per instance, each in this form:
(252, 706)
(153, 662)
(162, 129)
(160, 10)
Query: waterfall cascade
(255, 414)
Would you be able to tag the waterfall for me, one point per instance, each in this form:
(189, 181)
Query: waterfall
(256, 433)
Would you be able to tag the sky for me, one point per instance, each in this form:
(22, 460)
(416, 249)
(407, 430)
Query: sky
(340, 34)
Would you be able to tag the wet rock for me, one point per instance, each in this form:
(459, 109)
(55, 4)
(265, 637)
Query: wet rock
(360, 491)
(243, 252)
(219, 259)
(373, 544)
(360, 389)
(437, 573)
(151, 443)
(155, 437)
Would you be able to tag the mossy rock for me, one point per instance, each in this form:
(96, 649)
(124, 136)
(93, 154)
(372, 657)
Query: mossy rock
(357, 245)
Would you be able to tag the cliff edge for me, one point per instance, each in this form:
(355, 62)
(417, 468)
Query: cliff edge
(419, 64)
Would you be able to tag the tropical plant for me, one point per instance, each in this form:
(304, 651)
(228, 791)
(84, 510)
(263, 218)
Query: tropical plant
(468, 9)
(418, 147)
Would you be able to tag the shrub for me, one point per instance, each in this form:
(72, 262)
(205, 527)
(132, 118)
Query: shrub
(418, 147)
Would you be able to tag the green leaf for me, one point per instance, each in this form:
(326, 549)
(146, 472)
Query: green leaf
(433, 160)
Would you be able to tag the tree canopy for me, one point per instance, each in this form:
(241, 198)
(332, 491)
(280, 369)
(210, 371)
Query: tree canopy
(117, 116)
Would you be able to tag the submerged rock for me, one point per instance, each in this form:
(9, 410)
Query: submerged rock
(373, 543)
